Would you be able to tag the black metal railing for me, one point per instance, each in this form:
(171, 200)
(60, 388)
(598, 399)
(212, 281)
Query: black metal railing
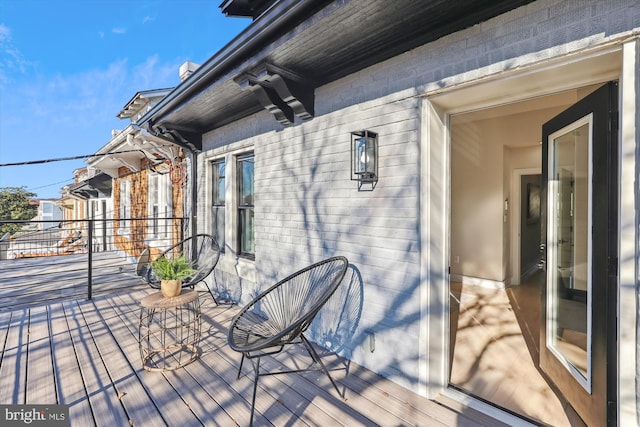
(48, 260)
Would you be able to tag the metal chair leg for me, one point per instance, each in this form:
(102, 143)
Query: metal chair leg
(240, 368)
(316, 358)
(255, 388)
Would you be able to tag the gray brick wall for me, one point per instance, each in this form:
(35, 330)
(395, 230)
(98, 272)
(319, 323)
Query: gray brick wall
(308, 209)
(529, 34)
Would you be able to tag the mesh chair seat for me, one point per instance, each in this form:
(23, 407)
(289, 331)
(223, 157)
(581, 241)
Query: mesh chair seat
(201, 250)
(280, 315)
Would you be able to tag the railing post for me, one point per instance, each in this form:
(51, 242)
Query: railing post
(90, 258)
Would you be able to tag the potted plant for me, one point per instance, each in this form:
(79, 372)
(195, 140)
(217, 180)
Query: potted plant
(171, 272)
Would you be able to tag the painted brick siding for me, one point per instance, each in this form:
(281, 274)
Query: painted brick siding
(524, 36)
(307, 208)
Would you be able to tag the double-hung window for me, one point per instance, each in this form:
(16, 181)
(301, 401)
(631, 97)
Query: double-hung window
(125, 205)
(159, 206)
(218, 201)
(246, 239)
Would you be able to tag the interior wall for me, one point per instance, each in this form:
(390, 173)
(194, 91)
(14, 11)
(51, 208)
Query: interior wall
(476, 203)
(485, 149)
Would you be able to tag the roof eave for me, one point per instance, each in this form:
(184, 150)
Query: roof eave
(239, 48)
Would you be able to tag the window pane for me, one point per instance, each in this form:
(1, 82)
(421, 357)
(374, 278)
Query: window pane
(154, 215)
(247, 243)
(569, 241)
(246, 182)
(125, 205)
(217, 201)
(218, 183)
(218, 225)
(245, 205)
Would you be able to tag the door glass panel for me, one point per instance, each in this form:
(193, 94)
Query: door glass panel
(569, 240)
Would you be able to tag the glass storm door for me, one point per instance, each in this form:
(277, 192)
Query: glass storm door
(579, 229)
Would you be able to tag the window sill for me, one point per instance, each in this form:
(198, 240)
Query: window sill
(242, 267)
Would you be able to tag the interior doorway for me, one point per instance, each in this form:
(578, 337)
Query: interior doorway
(529, 224)
(495, 286)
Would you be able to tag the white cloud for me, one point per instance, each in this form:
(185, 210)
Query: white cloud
(147, 19)
(11, 59)
(119, 30)
(5, 34)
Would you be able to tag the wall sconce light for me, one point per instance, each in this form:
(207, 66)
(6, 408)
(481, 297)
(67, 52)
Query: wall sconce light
(364, 158)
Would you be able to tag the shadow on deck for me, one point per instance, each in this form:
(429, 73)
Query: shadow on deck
(84, 353)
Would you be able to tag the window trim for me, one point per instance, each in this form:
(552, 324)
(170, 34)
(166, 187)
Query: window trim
(218, 201)
(242, 208)
(159, 229)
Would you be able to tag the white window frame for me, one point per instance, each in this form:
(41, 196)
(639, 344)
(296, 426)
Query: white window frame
(244, 208)
(230, 260)
(218, 201)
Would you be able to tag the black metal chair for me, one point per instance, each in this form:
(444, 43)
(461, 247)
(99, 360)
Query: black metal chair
(201, 250)
(280, 315)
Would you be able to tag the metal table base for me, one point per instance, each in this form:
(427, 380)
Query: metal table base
(169, 330)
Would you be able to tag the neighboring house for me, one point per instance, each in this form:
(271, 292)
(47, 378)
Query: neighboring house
(50, 213)
(480, 111)
(150, 181)
(73, 205)
(90, 198)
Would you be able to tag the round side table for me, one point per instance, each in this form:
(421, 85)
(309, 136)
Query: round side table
(169, 330)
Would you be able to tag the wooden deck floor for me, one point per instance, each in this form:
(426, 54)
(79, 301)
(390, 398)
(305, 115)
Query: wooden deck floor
(84, 353)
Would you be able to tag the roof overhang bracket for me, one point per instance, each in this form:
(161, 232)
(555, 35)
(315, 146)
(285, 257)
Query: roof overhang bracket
(267, 97)
(281, 92)
(151, 145)
(132, 167)
(190, 141)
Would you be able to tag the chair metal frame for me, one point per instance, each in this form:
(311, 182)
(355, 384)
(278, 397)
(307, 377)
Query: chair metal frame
(280, 315)
(204, 255)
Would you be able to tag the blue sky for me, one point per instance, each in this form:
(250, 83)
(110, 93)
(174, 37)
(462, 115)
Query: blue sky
(67, 67)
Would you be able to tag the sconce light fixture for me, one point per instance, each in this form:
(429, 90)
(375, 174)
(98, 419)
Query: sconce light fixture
(364, 158)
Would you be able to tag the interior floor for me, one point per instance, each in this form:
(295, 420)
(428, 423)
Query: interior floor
(495, 351)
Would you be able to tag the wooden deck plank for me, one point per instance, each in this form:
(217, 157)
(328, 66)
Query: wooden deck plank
(5, 321)
(316, 387)
(69, 382)
(282, 390)
(40, 382)
(217, 377)
(123, 371)
(395, 411)
(281, 407)
(227, 406)
(320, 399)
(95, 355)
(284, 408)
(13, 369)
(192, 395)
(106, 407)
(165, 397)
(394, 398)
(276, 413)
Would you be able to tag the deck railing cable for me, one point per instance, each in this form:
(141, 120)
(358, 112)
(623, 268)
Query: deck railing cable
(49, 260)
